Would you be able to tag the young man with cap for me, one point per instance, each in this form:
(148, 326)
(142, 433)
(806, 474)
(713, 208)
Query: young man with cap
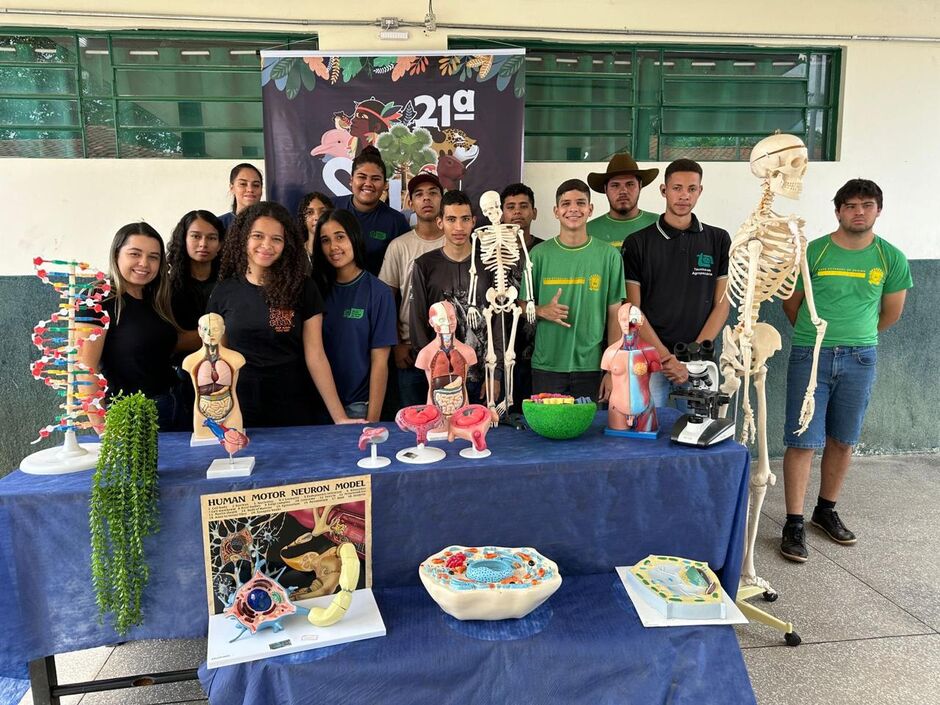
(621, 183)
(677, 271)
(425, 192)
(859, 286)
(578, 290)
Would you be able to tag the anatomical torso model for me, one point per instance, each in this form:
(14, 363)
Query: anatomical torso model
(214, 372)
(630, 363)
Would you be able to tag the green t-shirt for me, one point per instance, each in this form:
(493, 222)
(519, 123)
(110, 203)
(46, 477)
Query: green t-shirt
(847, 288)
(614, 232)
(591, 279)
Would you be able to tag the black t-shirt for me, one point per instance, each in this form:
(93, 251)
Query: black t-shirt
(191, 301)
(677, 271)
(266, 337)
(137, 349)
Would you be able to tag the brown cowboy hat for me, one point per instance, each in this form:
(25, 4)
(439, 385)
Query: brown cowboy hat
(622, 163)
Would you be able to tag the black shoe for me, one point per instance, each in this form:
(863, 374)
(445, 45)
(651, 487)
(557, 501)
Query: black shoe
(793, 543)
(828, 520)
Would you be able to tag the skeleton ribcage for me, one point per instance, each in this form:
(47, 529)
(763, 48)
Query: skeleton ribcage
(777, 266)
(499, 254)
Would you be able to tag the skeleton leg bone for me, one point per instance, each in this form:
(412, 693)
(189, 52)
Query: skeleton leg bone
(490, 365)
(766, 343)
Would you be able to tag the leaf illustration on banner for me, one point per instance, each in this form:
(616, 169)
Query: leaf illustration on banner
(334, 69)
(483, 63)
(498, 62)
(293, 81)
(419, 66)
(383, 64)
(351, 66)
(281, 68)
(308, 78)
(408, 114)
(402, 66)
(448, 64)
(317, 65)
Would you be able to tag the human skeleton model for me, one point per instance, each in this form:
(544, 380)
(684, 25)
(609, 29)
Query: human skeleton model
(214, 371)
(630, 363)
(445, 361)
(767, 255)
(502, 247)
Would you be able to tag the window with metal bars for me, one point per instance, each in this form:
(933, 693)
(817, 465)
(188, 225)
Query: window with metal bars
(133, 94)
(709, 103)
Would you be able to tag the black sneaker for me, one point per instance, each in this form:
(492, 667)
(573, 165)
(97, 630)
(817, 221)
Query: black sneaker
(828, 520)
(793, 543)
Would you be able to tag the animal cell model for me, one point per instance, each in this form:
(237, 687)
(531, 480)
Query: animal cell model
(489, 582)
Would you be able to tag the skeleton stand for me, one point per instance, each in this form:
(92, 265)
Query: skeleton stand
(766, 255)
(501, 248)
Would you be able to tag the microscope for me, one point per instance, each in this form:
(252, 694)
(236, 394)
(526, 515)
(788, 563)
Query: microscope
(702, 426)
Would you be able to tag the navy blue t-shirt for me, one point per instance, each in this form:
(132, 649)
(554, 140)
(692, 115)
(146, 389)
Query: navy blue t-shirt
(379, 227)
(358, 317)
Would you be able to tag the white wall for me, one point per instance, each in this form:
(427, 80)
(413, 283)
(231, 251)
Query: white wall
(888, 133)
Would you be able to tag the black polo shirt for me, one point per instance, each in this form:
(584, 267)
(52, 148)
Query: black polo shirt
(677, 271)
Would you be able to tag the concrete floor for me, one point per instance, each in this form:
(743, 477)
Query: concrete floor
(870, 629)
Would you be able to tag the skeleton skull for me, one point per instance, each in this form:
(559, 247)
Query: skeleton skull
(781, 159)
(490, 205)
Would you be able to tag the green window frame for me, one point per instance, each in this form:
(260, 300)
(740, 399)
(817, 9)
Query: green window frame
(585, 102)
(133, 94)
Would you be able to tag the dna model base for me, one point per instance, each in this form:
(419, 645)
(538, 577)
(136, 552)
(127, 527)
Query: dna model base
(71, 456)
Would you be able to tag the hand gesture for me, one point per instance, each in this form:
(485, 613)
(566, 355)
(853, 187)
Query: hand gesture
(554, 311)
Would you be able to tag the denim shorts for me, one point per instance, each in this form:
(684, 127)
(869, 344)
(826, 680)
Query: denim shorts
(845, 377)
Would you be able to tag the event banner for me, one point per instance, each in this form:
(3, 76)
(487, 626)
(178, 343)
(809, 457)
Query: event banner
(455, 114)
(290, 533)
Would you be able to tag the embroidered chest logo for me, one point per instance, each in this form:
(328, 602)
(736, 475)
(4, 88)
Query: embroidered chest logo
(875, 276)
(281, 319)
(594, 283)
(378, 235)
(355, 313)
(703, 265)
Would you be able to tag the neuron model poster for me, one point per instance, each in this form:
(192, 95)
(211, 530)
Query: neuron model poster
(273, 552)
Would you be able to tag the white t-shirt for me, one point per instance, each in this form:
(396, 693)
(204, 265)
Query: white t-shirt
(396, 271)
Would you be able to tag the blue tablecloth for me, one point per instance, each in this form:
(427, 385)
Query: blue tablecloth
(589, 504)
(585, 645)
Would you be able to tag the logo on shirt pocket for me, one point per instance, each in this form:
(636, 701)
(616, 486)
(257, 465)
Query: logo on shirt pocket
(355, 313)
(281, 319)
(594, 283)
(378, 235)
(875, 276)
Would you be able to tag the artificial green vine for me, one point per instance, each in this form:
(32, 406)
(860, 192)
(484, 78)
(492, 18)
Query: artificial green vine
(124, 508)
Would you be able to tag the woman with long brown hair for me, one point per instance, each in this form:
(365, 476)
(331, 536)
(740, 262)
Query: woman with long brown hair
(274, 317)
(134, 352)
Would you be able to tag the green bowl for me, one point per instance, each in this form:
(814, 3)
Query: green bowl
(558, 421)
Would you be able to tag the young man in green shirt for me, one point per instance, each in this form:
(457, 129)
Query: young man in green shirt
(578, 289)
(859, 286)
(621, 183)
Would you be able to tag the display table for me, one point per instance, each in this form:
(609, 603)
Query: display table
(585, 645)
(589, 504)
